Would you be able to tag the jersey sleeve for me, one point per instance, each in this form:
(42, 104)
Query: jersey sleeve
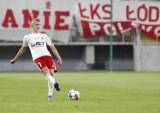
(24, 41)
(48, 40)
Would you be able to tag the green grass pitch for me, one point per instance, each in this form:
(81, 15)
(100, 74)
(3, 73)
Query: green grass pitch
(101, 92)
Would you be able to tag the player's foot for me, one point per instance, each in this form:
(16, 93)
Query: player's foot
(56, 85)
(49, 97)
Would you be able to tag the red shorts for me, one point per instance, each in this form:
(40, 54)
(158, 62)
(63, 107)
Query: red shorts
(45, 61)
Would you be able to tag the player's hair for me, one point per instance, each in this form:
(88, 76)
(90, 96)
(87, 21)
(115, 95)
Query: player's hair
(35, 20)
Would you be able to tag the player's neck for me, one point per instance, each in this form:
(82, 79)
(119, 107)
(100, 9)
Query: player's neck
(35, 32)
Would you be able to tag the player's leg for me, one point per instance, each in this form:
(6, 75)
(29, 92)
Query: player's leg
(51, 81)
(56, 85)
(50, 91)
(48, 76)
(52, 67)
(42, 66)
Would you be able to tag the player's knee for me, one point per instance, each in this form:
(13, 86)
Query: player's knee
(45, 71)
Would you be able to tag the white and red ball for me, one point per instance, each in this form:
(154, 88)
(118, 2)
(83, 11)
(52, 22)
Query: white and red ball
(74, 94)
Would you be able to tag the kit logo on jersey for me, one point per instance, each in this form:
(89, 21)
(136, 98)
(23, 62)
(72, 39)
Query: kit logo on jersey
(37, 44)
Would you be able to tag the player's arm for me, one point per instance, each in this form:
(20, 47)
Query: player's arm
(19, 54)
(55, 52)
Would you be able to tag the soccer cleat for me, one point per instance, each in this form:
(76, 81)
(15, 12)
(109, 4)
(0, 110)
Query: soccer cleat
(56, 85)
(49, 97)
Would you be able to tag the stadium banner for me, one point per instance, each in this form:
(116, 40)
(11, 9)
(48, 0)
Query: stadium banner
(16, 17)
(92, 18)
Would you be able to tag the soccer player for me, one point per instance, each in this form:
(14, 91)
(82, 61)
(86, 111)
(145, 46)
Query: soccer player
(37, 43)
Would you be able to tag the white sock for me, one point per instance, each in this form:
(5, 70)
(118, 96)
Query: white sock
(50, 89)
(50, 79)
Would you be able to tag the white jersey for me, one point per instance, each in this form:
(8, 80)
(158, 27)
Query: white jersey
(37, 44)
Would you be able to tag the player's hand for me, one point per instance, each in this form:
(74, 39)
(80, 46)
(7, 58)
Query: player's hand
(60, 62)
(12, 61)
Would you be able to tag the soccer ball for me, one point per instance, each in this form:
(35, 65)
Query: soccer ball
(73, 94)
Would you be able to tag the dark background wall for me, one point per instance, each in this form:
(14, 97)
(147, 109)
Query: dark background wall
(73, 58)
